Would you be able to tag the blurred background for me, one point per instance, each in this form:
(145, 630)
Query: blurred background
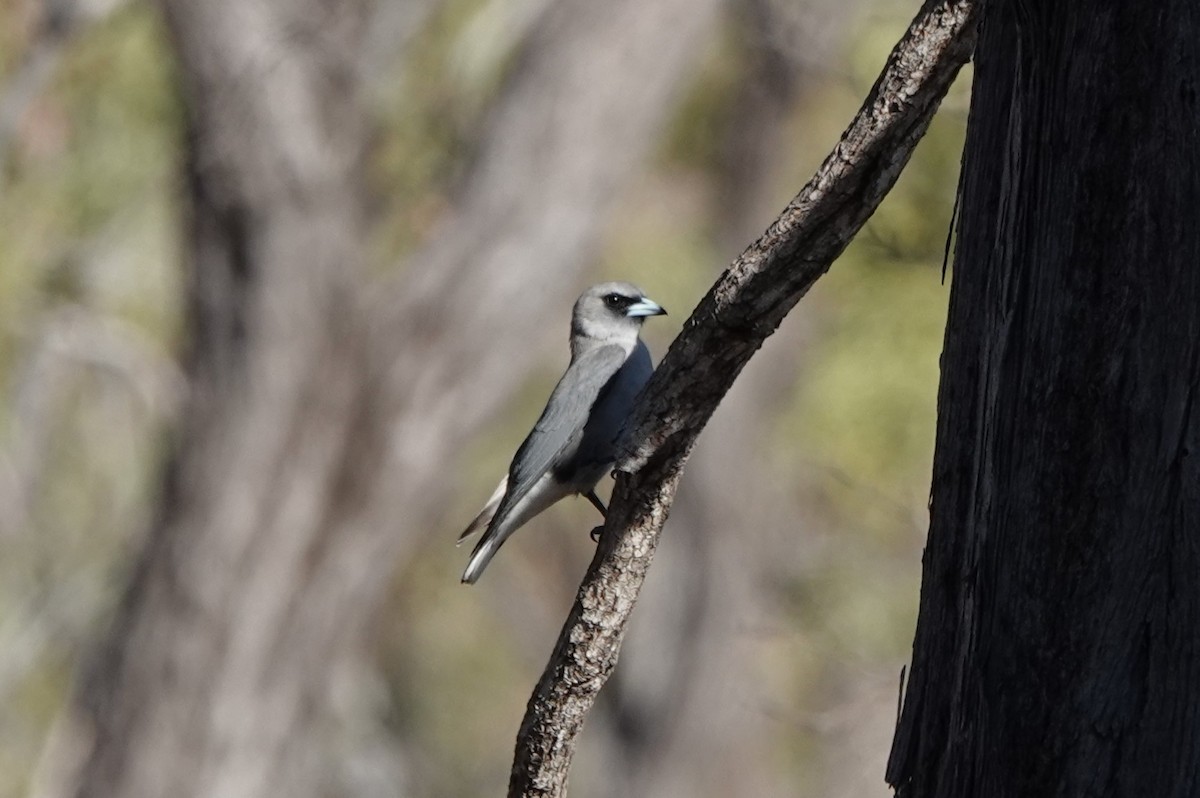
(765, 653)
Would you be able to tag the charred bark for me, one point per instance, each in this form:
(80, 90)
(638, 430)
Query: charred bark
(1056, 648)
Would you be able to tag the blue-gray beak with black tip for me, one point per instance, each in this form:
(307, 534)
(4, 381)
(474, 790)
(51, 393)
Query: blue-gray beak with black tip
(645, 307)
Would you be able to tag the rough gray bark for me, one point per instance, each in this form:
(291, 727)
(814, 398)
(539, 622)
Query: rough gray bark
(731, 322)
(300, 475)
(1056, 647)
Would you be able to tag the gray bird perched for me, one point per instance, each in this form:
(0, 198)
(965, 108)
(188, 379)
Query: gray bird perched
(574, 442)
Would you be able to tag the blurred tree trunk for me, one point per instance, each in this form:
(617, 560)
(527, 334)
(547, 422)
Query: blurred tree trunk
(318, 424)
(1056, 651)
(206, 686)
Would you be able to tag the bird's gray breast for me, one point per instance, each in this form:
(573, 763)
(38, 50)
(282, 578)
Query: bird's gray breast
(605, 426)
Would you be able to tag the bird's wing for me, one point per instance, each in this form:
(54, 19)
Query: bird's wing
(562, 422)
(558, 430)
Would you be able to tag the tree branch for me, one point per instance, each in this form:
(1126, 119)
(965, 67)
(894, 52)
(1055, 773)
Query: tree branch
(744, 307)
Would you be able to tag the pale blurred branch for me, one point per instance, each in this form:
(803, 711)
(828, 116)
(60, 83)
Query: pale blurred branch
(132, 388)
(50, 613)
(67, 341)
(744, 307)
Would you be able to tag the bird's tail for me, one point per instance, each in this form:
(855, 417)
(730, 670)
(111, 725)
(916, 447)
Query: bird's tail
(486, 514)
(485, 549)
(503, 520)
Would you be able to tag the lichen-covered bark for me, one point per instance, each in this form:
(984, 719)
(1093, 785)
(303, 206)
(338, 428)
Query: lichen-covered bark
(1056, 651)
(745, 306)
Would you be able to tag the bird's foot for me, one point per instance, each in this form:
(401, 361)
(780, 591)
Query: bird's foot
(595, 533)
(595, 500)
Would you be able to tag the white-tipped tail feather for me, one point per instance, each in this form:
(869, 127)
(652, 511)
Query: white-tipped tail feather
(480, 558)
(545, 492)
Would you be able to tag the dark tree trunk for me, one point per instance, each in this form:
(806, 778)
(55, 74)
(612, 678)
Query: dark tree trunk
(1058, 646)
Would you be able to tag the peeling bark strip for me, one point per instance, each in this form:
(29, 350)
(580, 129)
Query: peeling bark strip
(745, 306)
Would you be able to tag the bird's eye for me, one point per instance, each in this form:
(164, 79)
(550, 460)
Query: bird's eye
(614, 300)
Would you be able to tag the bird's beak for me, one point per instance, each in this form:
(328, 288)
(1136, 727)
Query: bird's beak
(645, 307)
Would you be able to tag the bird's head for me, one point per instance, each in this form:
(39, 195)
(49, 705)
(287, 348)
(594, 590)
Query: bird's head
(611, 313)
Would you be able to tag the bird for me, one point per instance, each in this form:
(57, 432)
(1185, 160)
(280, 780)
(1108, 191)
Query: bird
(576, 438)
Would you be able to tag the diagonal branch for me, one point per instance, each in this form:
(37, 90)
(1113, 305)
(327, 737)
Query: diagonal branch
(744, 307)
